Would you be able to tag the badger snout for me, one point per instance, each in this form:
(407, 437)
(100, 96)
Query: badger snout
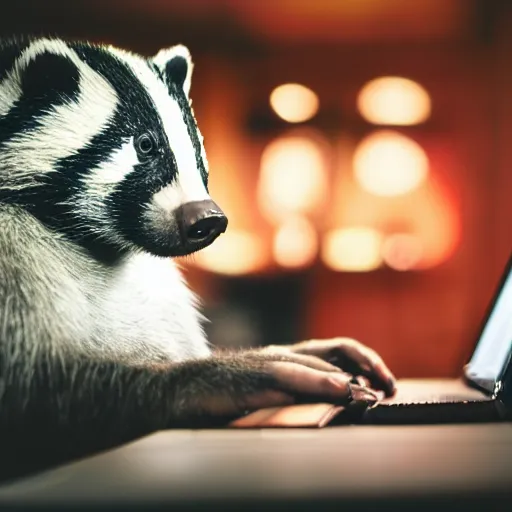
(174, 226)
(200, 223)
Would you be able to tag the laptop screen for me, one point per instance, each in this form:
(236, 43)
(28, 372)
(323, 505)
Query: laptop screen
(493, 349)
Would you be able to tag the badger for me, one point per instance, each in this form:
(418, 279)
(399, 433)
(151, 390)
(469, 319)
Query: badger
(103, 185)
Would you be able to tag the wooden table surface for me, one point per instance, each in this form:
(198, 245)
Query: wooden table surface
(356, 466)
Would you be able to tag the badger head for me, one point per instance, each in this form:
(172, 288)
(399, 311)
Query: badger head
(102, 145)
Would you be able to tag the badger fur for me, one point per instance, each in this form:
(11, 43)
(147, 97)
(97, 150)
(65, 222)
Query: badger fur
(74, 120)
(103, 180)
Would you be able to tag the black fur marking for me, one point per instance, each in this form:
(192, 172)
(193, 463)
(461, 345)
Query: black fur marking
(176, 71)
(49, 80)
(153, 67)
(50, 77)
(179, 95)
(129, 215)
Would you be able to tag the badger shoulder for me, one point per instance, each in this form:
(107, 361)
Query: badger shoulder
(138, 311)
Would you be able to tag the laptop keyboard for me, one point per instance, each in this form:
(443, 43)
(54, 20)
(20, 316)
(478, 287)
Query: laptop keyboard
(431, 412)
(431, 399)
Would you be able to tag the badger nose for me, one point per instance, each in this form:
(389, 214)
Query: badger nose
(200, 222)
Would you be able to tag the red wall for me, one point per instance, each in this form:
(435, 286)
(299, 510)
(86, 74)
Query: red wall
(424, 324)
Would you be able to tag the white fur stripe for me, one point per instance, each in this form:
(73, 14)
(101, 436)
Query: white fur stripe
(100, 180)
(65, 128)
(98, 184)
(172, 196)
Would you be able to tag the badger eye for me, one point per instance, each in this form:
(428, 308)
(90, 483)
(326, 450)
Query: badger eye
(145, 145)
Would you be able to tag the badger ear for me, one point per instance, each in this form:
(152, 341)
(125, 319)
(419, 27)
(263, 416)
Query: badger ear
(50, 74)
(45, 72)
(176, 66)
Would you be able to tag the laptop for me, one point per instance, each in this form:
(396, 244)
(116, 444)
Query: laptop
(483, 392)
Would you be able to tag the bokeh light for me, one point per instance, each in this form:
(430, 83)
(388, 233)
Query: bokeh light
(355, 249)
(292, 177)
(387, 163)
(236, 252)
(394, 101)
(402, 251)
(295, 243)
(294, 103)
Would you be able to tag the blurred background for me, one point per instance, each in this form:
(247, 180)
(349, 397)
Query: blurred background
(361, 150)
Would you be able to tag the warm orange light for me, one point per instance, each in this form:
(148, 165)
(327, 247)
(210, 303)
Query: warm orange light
(387, 163)
(394, 101)
(295, 243)
(402, 251)
(292, 177)
(356, 249)
(294, 103)
(236, 252)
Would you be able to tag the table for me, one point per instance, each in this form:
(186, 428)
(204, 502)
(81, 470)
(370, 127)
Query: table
(358, 467)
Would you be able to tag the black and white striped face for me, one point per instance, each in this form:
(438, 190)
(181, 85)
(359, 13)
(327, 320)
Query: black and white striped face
(102, 145)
